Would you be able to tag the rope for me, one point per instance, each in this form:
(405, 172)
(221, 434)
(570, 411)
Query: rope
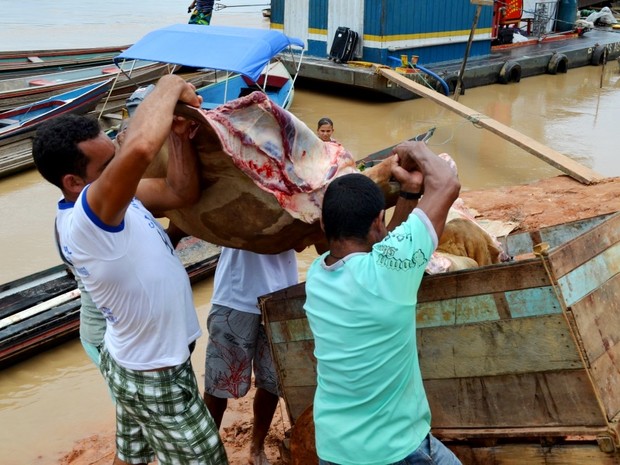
(475, 119)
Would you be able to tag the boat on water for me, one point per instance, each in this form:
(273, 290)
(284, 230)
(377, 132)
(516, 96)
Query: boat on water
(22, 62)
(519, 359)
(248, 58)
(42, 310)
(480, 36)
(130, 75)
(17, 126)
(26, 118)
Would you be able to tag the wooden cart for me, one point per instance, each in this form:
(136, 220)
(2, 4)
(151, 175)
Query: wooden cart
(520, 360)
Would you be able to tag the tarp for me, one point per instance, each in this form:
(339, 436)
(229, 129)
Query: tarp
(237, 49)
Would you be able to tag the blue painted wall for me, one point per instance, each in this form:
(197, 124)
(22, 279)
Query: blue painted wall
(434, 30)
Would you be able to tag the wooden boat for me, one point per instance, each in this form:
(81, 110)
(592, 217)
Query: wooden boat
(248, 57)
(33, 61)
(17, 126)
(129, 75)
(520, 360)
(43, 310)
(27, 117)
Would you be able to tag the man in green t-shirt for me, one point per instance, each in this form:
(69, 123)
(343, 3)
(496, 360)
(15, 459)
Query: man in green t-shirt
(370, 407)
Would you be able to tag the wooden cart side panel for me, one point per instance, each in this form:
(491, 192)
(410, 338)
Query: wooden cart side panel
(299, 398)
(597, 318)
(595, 242)
(524, 242)
(515, 346)
(534, 454)
(492, 279)
(581, 281)
(510, 401)
(284, 304)
(535, 301)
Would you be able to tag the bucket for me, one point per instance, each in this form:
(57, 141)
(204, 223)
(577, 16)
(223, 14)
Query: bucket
(567, 15)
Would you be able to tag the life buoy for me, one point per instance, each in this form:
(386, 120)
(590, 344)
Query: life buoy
(510, 72)
(598, 55)
(557, 64)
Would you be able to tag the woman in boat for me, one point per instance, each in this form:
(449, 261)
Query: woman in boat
(202, 12)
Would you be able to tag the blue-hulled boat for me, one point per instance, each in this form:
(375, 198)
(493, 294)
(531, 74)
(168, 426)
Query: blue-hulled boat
(27, 117)
(247, 58)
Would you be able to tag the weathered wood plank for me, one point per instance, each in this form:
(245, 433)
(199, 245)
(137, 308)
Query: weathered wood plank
(523, 243)
(597, 316)
(473, 309)
(297, 365)
(605, 374)
(520, 345)
(285, 304)
(511, 401)
(299, 398)
(584, 279)
(534, 454)
(583, 248)
(562, 162)
(290, 331)
(485, 280)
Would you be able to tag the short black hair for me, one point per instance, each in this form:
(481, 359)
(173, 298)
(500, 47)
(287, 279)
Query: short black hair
(350, 205)
(55, 147)
(325, 120)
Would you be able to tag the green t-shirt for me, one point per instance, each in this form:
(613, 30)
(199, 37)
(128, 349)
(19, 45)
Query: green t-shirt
(370, 407)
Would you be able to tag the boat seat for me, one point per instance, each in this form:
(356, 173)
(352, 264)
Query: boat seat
(273, 82)
(40, 82)
(35, 60)
(8, 122)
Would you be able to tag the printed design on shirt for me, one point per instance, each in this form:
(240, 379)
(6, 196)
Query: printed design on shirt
(153, 224)
(387, 255)
(109, 315)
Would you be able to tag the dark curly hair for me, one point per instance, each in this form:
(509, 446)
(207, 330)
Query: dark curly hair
(55, 146)
(350, 205)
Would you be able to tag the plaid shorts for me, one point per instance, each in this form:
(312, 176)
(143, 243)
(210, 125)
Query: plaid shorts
(161, 413)
(237, 341)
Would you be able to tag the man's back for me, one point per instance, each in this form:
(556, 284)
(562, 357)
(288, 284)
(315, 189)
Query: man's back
(370, 405)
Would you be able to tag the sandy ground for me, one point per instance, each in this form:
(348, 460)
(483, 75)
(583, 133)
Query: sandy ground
(547, 202)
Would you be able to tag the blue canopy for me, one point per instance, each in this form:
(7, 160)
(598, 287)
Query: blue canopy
(237, 49)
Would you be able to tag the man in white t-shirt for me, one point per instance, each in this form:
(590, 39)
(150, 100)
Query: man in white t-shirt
(129, 267)
(237, 340)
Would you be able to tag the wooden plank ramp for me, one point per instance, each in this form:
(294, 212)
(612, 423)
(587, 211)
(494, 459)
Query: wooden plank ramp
(565, 164)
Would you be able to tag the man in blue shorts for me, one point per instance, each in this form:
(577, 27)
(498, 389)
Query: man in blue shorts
(370, 407)
(128, 266)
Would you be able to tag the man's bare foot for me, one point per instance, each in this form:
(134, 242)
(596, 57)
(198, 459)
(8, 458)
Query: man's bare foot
(258, 458)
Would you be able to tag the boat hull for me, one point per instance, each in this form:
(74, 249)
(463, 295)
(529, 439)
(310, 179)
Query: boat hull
(42, 310)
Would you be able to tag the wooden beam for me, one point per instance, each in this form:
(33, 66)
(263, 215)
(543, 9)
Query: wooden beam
(565, 164)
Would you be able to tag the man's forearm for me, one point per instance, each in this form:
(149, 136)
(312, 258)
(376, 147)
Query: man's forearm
(183, 176)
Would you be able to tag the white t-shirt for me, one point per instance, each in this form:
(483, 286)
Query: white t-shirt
(136, 279)
(241, 277)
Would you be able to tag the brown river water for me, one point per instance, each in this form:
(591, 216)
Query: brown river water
(54, 399)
